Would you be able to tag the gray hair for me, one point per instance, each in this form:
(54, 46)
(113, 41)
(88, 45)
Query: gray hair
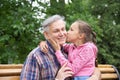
(50, 20)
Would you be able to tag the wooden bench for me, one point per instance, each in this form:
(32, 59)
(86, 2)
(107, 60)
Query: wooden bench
(12, 72)
(109, 72)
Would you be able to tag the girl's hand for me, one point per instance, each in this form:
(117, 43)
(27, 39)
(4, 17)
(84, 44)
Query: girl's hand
(63, 73)
(43, 46)
(54, 44)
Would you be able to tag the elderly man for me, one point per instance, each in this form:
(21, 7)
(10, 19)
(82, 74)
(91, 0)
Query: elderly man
(41, 66)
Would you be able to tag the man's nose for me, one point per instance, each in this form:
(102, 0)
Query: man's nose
(61, 33)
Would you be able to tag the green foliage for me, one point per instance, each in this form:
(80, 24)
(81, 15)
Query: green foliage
(109, 12)
(19, 26)
(18, 30)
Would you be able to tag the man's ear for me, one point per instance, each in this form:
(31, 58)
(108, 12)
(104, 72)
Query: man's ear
(46, 35)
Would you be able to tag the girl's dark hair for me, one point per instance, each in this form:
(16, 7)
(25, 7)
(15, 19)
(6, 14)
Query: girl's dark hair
(94, 37)
(89, 34)
(85, 28)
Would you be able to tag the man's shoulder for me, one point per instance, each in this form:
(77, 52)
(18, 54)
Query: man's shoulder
(36, 51)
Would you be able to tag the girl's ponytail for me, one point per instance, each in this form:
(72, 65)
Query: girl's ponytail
(94, 37)
(94, 40)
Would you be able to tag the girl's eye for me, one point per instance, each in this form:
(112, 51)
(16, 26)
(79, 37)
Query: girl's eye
(71, 29)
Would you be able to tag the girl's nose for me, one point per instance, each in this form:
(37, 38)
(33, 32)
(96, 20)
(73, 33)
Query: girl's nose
(67, 32)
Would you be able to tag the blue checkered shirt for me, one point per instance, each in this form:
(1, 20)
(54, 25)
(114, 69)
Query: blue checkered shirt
(40, 66)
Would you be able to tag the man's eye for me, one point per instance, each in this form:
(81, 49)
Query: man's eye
(71, 29)
(55, 31)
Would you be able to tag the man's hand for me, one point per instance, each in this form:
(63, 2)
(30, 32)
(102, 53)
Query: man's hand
(93, 77)
(96, 75)
(63, 73)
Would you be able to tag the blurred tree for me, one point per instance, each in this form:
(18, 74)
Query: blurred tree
(108, 13)
(18, 30)
(19, 25)
(52, 7)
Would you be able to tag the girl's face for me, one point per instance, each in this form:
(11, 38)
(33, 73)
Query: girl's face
(73, 33)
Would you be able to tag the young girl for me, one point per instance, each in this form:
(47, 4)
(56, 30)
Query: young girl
(81, 52)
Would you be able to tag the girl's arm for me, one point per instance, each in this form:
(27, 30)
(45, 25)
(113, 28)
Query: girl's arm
(79, 61)
(66, 47)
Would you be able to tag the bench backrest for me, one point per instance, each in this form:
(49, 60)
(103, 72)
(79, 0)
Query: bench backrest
(109, 72)
(12, 72)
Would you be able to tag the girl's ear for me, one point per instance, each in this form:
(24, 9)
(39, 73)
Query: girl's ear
(81, 36)
(46, 35)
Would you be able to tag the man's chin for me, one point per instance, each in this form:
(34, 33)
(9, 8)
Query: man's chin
(62, 42)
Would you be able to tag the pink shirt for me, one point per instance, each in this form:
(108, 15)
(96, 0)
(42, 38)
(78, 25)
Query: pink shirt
(81, 59)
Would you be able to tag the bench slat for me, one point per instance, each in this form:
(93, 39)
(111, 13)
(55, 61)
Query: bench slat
(107, 70)
(10, 78)
(9, 72)
(109, 76)
(11, 66)
(104, 66)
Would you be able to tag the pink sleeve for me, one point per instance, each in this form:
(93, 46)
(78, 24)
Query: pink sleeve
(66, 47)
(61, 58)
(79, 61)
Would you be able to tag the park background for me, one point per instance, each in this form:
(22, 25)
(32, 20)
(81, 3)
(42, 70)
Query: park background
(20, 26)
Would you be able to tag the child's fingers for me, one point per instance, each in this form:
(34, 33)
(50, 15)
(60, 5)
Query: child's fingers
(51, 41)
(46, 46)
(45, 50)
